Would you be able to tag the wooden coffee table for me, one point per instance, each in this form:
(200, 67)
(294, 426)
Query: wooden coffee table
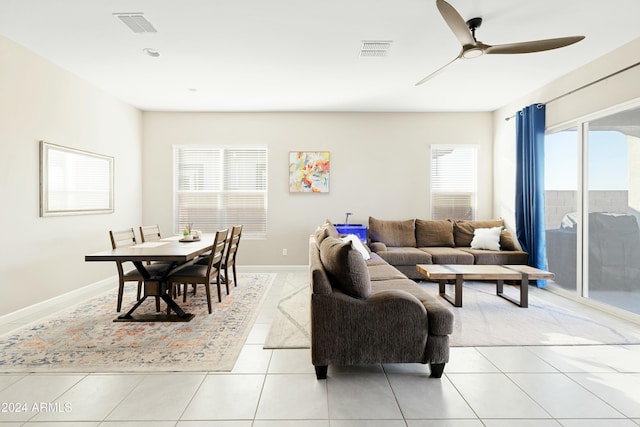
(460, 272)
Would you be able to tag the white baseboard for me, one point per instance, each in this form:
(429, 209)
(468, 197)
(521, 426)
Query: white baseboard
(59, 301)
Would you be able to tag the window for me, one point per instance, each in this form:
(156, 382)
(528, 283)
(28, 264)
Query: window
(219, 187)
(74, 182)
(592, 207)
(453, 182)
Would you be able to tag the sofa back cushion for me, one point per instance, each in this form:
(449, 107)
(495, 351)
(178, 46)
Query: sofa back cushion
(324, 230)
(346, 267)
(321, 284)
(393, 233)
(507, 242)
(463, 230)
(434, 233)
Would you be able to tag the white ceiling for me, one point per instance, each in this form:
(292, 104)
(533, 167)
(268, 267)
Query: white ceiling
(302, 55)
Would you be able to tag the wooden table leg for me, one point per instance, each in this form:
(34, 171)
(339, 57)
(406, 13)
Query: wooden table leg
(524, 291)
(456, 301)
(458, 291)
(442, 283)
(158, 287)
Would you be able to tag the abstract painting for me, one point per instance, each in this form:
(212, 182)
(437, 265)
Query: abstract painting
(309, 171)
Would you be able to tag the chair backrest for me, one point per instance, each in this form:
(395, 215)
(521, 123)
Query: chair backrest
(123, 238)
(219, 242)
(149, 233)
(232, 246)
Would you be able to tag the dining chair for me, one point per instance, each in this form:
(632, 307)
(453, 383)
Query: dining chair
(200, 274)
(149, 233)
(230, 256)
(121, 239)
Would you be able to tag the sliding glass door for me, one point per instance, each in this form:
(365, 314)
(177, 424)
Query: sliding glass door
(562, 217)
(593, 208)
(613, 236)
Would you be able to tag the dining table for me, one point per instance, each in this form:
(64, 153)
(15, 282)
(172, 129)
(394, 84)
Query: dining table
(174, 251)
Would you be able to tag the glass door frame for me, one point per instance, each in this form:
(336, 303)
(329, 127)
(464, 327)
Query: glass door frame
(581, 124)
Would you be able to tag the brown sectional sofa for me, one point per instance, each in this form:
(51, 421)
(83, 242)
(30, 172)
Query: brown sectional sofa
(365, 311)
(405, 243)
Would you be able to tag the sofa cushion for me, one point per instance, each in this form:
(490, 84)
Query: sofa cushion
(346, 267)
(320, 234)
(486, 238)
(448, 256)
(384, 272)
(434, 233)
(463, 230)
(393, 233)
(507, 242)
(378, 247)
(376, 260)
(405, 256)
(324, 230)
(485, 257)
(331, 229)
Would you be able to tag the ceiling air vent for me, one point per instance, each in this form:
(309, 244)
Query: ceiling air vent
(375, 48)
(136, 22)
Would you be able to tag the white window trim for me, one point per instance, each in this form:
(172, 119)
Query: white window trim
(472, 189)
(252, 230)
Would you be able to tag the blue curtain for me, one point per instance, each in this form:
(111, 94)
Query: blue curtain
(529, 209)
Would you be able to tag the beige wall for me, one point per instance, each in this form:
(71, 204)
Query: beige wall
(380, 166)
(614, 91)
(44, 257)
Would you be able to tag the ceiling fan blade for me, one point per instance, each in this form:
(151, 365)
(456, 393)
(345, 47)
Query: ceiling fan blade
(534, 46)
(438, 71)
(456, 23)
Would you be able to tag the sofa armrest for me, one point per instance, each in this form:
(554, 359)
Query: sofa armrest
(401, 299)
(378, 247)
(389, 326)
(440, 317)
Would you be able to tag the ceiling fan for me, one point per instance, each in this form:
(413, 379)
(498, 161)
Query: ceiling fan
(472, 48)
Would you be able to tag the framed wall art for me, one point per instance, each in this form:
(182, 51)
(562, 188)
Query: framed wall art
(309, 171)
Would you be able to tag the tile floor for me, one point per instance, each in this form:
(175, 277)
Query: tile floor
(485, 386)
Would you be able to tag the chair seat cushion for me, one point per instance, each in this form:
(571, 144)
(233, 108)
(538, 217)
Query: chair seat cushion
(203, 260)
(154, 270)
(189, 271)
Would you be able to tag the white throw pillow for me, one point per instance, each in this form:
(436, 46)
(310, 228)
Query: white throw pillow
(357, 244)
(486, 238)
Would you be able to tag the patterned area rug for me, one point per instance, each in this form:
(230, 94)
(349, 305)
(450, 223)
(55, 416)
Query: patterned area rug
(84, 338)
(484, 320)
(291, 325)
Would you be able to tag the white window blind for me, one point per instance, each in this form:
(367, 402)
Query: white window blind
(219, 187)
(74, 182)
(453, 182)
